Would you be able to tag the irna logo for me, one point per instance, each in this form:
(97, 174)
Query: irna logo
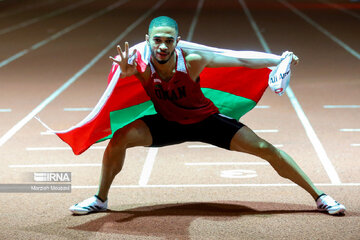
(52, 176)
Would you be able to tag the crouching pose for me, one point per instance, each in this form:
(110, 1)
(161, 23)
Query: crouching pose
(189, 115)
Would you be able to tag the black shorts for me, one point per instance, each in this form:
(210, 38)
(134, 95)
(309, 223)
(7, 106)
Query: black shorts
(217, 130)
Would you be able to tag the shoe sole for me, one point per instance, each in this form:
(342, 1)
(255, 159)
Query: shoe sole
(86, 212)
(334, 212)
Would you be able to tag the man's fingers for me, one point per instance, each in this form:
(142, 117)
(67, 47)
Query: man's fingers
(114, 60)
(295, 59)
(120, 52)
(126, 49)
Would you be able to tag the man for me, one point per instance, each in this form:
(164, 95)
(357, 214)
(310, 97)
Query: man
(171, 79)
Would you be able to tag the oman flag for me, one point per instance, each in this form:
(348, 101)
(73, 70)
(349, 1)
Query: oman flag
(234, 90)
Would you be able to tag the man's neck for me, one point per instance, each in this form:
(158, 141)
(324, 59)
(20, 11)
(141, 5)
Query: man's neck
(165, 67)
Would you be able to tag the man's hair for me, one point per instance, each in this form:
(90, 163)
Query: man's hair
(163, 21)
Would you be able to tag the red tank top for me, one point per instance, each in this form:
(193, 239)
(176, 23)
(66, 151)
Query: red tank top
(180, 99)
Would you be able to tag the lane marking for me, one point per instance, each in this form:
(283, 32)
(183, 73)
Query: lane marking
(350, 130)
(266, 130)
(319, 149)
(148, 166)
(263, 106)
(212, 146)
(55, 94)
(60, 148)
(321, 29)
(13, 57)
(355, 144)
(341, 106)
(5, 110)
(26, 8)
(195, 20)
(336, 6)
(43, 17)
(77, 109)
(226, 163)
(238, 173)
(218, 185)
(55, 165)
(61, 33)
(255, 26)
(47, 133)
(201, 146)
(150, 159)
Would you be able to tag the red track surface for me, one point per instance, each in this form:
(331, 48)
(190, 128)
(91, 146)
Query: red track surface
(180, 200)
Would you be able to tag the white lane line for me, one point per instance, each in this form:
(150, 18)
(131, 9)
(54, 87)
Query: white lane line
(341, 106)
(150, 159)
(262, 106)
(266, 130)
(26, 8)
(350, 130)
(218, 185)
(337, 6)
(49, 99)
(212, 146)
(148, 166)
(254, 26)
(77, 109)
(43, 17)
(195, 20)
(319, 149)
(47, 133)
(5, 110)
(55, 165)
(355, 144)
(13, 57)
(201, 146)
(60, 148)
(329, 167)
(321, 29)
(61, 33)
(225, 163)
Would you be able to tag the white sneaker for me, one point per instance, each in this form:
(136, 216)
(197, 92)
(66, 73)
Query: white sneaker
(327, 203)
(93, 204)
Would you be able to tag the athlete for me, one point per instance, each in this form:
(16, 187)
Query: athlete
(171, 80)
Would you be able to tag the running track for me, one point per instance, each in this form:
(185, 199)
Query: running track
(53, 63)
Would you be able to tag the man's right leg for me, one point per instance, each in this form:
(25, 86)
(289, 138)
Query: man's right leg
(136, 133)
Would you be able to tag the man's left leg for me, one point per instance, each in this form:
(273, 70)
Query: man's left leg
(245, 140)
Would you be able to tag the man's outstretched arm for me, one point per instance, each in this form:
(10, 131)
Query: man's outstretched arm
(250, 59)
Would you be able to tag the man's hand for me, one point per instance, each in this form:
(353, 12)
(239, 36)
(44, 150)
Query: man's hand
(295, 59)
(127, 69)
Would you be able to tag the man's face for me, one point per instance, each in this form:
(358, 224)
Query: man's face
(162, 41)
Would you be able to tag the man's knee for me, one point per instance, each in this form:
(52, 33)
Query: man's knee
(264, 149)
(133, 134)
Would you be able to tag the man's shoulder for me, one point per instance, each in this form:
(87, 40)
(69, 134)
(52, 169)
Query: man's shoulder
(193, 55)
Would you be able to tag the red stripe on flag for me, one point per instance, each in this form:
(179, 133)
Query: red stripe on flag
(240, 81)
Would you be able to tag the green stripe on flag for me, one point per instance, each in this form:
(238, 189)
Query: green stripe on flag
(122, 117)
(228, 104)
